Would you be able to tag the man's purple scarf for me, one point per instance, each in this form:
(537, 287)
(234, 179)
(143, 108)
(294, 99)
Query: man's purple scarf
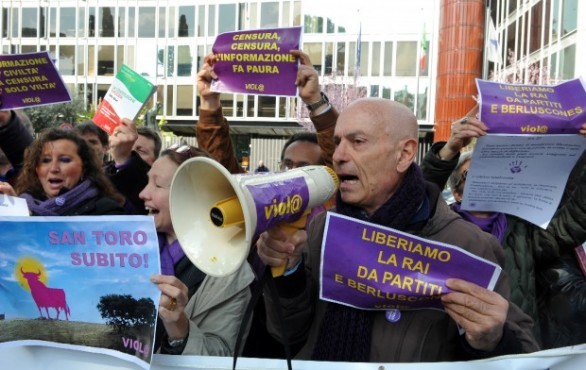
(345, 332)
(495, 224)
(170, 254)
(64, 202)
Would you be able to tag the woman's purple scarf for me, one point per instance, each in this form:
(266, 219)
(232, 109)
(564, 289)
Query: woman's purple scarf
(64, 202)
(495, 224)
(170, 254)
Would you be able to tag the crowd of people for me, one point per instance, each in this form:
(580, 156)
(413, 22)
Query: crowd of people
(372, 147)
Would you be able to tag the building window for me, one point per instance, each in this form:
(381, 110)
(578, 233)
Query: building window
(227, 18)
(185, 100)
(184, 60)
(329, 61)
(212, 20)
(106, 22)
(67, 60)
(131, 22)
(313, 24)
(406, 58)
(186, 21)
(405, 96)
(67, 22)
(269, 15)
(314, 50)
(106, 60)
(569, 16)
(80, 22)
(363, 53)
(29, 22)
(341, 58)
(388, 59)
(568, 62)
(146, 21)
(266, 106)
(376, 58)
(4, 22)
(15, 23)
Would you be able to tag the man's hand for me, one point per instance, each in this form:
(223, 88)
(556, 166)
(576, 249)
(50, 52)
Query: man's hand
(583, 129)
(276, 247)
(480, 312)
(209, 100)
(122, 141)
(307, 78)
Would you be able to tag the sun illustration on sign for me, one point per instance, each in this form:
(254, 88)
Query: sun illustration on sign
(29, 264)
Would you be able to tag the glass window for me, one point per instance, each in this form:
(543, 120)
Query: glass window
(363, 52)
(266, 106)
(242, 16)
(227, 101)
(555, 18)
(252, 13)
(212, 20)
(184, 60)
(106, 60)
(80, 60)
(386, 92)
(15, 25)
(388, 59)
(313, 24)
(536, 27)
(406, 58)
(329, 58)
(67, 22)
(352, 59)
(130, 60)
(314, 50)
(330, 26)
(297, 13)
(186, 21)
(52, 22)
(92, 22)
(421, 112)
(122, 22)
(146, 21)
(91, 60)
(43, 22)
(376, 58)
(67, 60)
(405, 95)
(227, 18)
(201, 20)
(568, 62)
(168, 100)
(269, 15)
(4, 23)
(569, 16)
(106, 22)
(185, 100)
(286, 16)
(171, 22)
(374, 91)
(80, 22)
(29, 22)
(341, 58)
(119, 57)
(553, 66)
(162, 21)
(131, 22)
(29, 49)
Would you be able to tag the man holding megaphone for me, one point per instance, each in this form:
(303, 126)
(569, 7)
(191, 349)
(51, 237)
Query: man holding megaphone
(376, 145)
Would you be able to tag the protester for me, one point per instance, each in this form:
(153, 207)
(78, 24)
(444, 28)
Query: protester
(530, 251)
(200, 314)
(15, 137)
(261, 167)
(95, 137)
(148, 144)
(376, 144)
(213, 130)
(61, 176)
(302, 149)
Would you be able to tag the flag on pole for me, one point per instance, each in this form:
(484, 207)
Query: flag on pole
(493, 46)
(424, 52)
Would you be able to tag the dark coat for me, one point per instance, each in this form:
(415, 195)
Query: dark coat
(130, 180)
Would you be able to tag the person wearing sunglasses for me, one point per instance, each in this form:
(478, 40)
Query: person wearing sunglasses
(532, 253)
(198, 314)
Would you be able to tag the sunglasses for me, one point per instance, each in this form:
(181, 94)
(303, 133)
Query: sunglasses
(182, 149)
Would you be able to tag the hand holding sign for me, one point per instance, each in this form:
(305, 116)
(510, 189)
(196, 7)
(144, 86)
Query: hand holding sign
(480, 312)
(210, 100)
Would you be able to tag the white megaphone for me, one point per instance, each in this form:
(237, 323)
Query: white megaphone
(216, 214)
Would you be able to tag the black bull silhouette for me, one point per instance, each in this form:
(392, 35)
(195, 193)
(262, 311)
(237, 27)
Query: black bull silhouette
(45, 297)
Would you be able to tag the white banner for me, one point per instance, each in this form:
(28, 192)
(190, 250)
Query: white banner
(40, 358)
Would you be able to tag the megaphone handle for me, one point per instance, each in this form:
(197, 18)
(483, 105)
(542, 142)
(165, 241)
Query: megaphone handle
(290, 228)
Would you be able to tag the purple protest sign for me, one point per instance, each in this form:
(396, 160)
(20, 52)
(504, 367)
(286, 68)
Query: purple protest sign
(279, 201)
(30, 79)
(371, 267)
(257, 61)
(532, 109)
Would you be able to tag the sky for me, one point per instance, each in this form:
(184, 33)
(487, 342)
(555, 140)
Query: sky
(46, 244)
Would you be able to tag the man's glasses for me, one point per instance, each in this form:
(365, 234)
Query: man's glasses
(462, 179)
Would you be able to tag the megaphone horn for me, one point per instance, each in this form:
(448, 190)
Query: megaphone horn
(216, 215)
